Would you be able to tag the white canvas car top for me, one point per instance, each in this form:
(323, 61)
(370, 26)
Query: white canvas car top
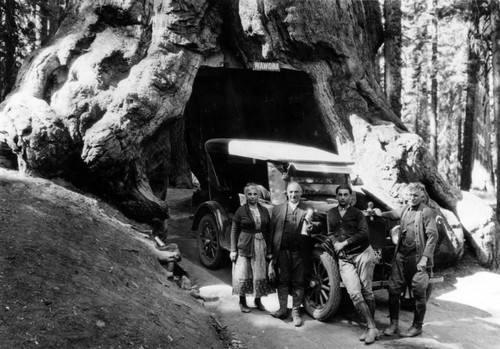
(300, 155)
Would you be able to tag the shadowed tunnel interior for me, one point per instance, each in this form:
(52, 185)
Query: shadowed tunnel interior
(242, 103)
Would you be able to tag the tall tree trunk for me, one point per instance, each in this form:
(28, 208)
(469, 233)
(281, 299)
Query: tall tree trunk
(419, 81)
(2, 63)
(473, 66)
(433, 129)
(10, 42)
(482, 147)
(495, 62)
(43, 18)
(392, 54)
(459, 122)
(180, 175)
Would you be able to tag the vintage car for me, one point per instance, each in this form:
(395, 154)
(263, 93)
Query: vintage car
(232, 163)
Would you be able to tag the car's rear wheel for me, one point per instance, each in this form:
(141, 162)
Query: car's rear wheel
(323, 294)
(209, 248)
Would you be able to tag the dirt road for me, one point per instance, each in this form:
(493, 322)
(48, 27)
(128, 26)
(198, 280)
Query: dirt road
(463, 312)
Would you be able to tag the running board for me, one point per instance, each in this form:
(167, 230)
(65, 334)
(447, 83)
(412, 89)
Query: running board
(377, 285)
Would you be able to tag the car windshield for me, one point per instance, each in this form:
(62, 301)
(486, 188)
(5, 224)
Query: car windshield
(321, 186)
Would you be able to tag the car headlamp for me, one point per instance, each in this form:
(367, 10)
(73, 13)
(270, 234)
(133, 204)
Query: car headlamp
(394, 234)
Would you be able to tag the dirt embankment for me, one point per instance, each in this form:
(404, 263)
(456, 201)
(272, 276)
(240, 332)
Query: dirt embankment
(72, 276)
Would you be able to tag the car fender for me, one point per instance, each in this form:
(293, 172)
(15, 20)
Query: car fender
(321, 242)
(214, 208)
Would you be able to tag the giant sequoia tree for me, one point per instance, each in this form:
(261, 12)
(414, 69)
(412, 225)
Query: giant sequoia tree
(100, 104)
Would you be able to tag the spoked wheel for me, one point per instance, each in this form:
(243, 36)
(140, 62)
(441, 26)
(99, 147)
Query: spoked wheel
(323, 294)
(209, 249)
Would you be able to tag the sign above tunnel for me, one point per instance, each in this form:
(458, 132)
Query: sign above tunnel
(266, 66)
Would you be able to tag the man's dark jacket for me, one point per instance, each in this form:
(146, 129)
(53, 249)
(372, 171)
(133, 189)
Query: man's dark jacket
(278, 216)
(352, 227)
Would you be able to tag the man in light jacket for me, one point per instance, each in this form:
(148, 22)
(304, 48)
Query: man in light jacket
(413, 258)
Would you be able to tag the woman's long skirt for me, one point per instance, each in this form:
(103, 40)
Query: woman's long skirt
(250, 273)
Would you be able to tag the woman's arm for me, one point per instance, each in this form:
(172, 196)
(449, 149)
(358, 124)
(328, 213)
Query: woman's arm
(236, 229)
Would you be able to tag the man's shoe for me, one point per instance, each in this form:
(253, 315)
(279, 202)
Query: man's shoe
(392, 330)
(244, 308)
(297, 320)
(412, 332)
(371, 335)
(363, 335)
(280, 313)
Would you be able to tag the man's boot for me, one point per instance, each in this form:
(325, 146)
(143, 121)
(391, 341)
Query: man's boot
(393, 328)
(371, 334)
(297, 301)
(418, 320)
(283, 300)
(371, 305)
(297, 320)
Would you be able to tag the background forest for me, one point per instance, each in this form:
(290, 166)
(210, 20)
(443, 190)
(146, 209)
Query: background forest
(436, 66)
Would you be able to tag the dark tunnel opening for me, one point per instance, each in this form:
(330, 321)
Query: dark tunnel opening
(242, 103)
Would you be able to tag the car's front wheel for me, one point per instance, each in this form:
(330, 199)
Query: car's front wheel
(323, 294)
(209, 248)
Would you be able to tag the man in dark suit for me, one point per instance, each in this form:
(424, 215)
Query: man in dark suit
(288, 253)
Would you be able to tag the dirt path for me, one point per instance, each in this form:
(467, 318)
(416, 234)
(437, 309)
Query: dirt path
(463, 312)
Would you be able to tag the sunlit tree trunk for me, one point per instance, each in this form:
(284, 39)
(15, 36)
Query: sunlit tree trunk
(495, 40)
(392, 54)
(433, 77)
(483, 127)
(470, 105)
(419, 80)
(459, 122)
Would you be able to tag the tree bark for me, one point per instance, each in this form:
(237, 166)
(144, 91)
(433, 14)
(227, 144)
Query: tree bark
(419, 81)
(495, 60)
(433, 119)
(460, 123)
(470, 107)
(43, 20)
(482, 157)
(392, 53)
(2, 33)
(180, 176)
(11, 37)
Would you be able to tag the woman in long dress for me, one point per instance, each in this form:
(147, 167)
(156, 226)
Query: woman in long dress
(250, 244)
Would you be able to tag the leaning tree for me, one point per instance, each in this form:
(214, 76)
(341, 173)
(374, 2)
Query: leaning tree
(105, 103)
